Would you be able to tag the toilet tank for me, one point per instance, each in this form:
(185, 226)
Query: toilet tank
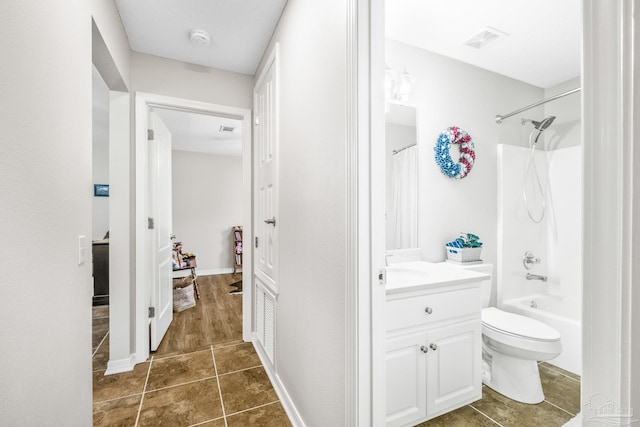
(485, 285)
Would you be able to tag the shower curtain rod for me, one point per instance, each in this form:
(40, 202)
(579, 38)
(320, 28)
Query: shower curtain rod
(403, 148)
(500, 118)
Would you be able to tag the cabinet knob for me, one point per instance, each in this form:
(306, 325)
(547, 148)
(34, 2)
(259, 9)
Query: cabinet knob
(424, 348)
(433, 346)
(428, 310)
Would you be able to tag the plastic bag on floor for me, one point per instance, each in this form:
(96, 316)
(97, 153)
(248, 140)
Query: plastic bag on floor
(183, 298)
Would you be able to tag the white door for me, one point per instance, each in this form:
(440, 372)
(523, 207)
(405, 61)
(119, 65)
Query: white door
(159, 157)
(266, 190)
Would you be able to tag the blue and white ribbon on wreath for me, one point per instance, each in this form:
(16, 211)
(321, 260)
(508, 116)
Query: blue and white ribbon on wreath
(455, 135)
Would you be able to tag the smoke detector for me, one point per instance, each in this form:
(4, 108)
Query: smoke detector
(199, 37)
(485, 37)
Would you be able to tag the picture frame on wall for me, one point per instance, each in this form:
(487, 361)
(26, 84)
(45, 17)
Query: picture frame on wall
(101, 190)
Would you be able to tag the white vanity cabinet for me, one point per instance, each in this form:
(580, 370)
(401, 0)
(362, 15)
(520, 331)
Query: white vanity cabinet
(433, 352)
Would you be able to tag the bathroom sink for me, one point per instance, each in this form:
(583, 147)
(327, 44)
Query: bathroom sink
(399, 275)
(415, 275)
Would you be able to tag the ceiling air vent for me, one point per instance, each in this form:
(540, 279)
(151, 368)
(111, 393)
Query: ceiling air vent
(485, 37)
(226, 129)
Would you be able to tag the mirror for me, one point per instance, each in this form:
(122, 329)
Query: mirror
(401, 157)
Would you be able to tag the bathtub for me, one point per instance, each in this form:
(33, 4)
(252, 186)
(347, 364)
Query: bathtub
(561, 314)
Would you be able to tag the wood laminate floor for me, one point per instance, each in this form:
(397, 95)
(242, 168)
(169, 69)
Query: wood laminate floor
(216, 319)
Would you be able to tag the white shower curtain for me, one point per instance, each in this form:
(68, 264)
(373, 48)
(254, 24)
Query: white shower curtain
(405, 197)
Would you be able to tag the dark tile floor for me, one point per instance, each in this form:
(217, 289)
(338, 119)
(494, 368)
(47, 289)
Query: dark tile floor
(224, 385)
(562, 402)
(219, 385)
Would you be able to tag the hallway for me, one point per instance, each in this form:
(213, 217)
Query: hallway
(202, 373)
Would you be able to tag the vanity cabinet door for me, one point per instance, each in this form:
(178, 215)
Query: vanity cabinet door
(406, 378)
(453, 366)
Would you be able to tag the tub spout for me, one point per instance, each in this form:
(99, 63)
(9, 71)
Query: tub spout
(536, 277)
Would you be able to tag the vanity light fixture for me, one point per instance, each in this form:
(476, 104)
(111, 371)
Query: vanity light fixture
(199, 37)
(398, 84)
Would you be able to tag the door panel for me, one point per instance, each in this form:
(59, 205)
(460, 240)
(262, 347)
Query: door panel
(454, 367)
(265, 140)
(406, 378)
(160, 236)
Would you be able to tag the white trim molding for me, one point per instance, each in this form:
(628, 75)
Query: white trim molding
(611, 125)
(121, 365)
(278, 386)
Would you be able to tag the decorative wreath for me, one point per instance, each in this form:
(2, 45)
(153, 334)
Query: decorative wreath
(455, 135)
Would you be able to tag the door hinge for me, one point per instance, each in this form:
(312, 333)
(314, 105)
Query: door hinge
(149, 134)
(256, 241)
(151, 223)
(152, 312)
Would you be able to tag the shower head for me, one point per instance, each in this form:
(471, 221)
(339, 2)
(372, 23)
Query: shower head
(544, 123)
(541, 125)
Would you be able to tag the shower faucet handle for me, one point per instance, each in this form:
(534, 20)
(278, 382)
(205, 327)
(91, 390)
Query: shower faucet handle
(529, 259)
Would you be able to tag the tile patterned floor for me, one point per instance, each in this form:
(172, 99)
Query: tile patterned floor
(562, 402)
(223, 384)
(218, 385)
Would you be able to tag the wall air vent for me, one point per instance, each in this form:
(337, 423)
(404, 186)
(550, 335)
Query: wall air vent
(226, 129)
(485, 37)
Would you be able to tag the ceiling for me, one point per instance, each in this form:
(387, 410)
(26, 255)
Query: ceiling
(240, 30)
(542, 47)
(200, 133)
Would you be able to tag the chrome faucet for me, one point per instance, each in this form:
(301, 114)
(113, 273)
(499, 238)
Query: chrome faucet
(536, 277)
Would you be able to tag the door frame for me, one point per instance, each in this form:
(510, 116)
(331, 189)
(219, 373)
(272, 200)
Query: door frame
(144, 101)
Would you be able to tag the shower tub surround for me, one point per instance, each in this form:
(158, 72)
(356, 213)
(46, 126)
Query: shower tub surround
(556, 240)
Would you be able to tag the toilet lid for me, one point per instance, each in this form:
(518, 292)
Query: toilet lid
(515, 324)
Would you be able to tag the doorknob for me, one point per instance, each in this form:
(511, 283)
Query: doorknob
(271, 221)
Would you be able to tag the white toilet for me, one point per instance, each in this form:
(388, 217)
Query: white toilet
(512, 346)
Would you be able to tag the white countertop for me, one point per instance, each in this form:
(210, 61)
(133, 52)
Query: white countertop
(419, 275)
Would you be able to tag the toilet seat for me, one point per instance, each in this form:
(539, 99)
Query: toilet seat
(517, 325)
(519, 336)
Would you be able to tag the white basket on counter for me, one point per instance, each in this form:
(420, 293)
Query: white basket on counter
(463, 254)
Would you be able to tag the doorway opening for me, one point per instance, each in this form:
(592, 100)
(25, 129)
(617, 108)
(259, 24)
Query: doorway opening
(173, 109)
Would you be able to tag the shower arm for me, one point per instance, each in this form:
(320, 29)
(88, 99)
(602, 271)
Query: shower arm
(500, 118)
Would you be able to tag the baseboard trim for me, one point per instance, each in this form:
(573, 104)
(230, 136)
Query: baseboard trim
(213, 271)
(281, 391)
(121, 365)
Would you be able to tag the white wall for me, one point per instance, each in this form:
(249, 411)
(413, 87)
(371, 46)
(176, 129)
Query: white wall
(447, 93)
(100, 154)
(207, 203)
(160, 76)
(46, 190)
(310, 333)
